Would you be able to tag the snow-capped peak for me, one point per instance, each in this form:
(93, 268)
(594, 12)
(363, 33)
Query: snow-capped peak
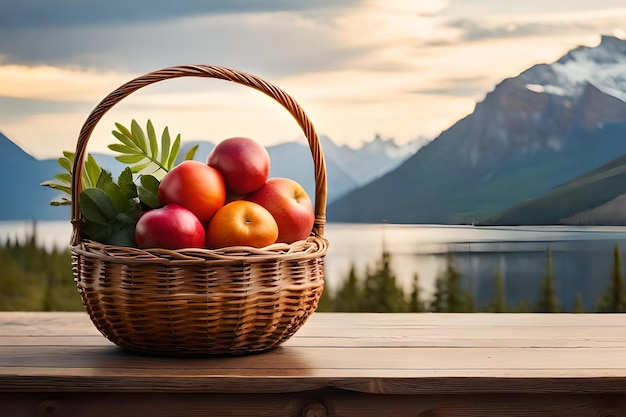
(391, 149)
(604, 66)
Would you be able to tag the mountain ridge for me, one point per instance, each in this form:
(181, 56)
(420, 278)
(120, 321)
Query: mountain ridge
(31, 201)
(528, 135)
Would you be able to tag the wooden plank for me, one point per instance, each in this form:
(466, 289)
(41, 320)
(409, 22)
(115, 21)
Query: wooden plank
(328, 402)
(381, 353)
(78, 323)
(485, 405)
(308, 358)
(523, 338)
(371, 329)
(264, 381)
(153, 405)
(297, 369)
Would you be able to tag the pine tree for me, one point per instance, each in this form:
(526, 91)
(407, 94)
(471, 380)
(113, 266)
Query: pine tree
(548, 299)
(498, 303)
(449, 294)
(381, 293)
(415, 300)
(348, 297)
(439, 302)
(614, 298)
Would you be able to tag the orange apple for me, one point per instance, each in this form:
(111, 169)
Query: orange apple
(241, 223)
(243, 162)
(290, 205)
(195, 186)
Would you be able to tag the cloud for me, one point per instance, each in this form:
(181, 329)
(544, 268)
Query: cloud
(545, 23)
(16, 109)
(53, 83)
(64, 13)
(357, 66)
(459, 86)
(246, 40)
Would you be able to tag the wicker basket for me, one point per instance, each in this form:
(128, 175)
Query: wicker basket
(230, 301)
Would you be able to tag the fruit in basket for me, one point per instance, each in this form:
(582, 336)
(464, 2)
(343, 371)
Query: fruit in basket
(289, 204)
(243, 162)
(195, 186)
(241, 223)
(169, 227)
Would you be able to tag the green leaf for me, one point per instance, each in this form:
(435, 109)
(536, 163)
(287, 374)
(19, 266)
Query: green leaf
(165, 146)
(173, 153)
(128, 218)
(64, 177)
(138, 136)
(113, 192)
(61, 202)
(98, 232)
(91, 172)
(61, 186)
(123, 234)
(66, 163)
(130, 159)
(126, 140)
(121, 148)
(96, 206)
(191, 153)
(127, 185)
(104, 180)
(124, 135)
(154, 147)
(148, 191)
(138, 168)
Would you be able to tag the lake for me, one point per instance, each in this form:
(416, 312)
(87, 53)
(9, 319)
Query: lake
(581, 256)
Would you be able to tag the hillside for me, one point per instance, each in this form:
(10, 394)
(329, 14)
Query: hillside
(593, 198)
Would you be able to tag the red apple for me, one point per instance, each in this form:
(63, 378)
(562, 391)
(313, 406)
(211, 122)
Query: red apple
(243, 162)
(290, 205)
(195, 186)
(169, 227)
(241, 223)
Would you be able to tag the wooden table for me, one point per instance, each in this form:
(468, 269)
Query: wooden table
(437, 365)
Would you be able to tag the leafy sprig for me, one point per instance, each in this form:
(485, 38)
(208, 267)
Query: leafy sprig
(111, 209)
(63, 181)
(140, 150)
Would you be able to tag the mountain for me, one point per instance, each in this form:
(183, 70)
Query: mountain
(372, 160)
(533, 132)
(22, 173)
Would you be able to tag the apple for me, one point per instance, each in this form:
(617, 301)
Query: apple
(290, 206)
(243, 162)
(195, 186)
(241, 223)
(169, 227)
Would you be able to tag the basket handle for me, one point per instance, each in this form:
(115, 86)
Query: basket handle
(208, 71)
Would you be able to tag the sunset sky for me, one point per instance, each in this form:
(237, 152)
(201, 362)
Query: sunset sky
(399, 68)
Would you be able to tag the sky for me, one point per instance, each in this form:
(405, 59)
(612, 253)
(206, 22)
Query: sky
(403, 69)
